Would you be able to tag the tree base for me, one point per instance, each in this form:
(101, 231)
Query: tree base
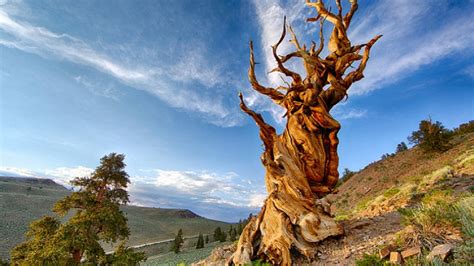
(278, 237)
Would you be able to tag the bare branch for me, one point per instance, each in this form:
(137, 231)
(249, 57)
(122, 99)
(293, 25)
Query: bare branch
(348, 16)
(281, 68)
(339, 8)
(338, 41)
(322, 11)
(270, 92)
(339, 88)
(357, 74)
(267, 132)
(287, 57)
(321, 38)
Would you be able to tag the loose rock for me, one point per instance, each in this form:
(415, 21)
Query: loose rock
(441, 251)
(395, 257)
(411, 252)
(384, 252)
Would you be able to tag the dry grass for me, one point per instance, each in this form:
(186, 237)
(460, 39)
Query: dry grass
(398, 180)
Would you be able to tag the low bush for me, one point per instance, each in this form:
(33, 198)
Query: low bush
(441, 218)
(370, 260)
(391, 192)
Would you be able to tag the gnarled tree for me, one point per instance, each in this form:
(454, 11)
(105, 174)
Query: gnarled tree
(301, 163)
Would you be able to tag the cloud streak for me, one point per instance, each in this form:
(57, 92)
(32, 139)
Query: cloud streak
(155, 80)
(414, 37)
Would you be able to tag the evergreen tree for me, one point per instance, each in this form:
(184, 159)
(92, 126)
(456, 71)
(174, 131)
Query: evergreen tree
(178, 242)
(96, 218)
(223, 237)
(431, 136)
(217, 234)
(232, 234)
(464, 128)
(200, 242)
(229, 233)
(240, 228)
(402, 147)
(207, 239)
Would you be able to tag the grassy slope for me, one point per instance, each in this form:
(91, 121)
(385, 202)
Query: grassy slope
(411, 166)
(187, 256)
(19, 206)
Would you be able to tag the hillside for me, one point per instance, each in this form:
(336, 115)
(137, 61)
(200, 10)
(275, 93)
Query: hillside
(409, 203)
(402, 170)
(23, 200)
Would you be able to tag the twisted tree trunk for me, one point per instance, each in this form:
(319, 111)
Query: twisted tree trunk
(301, 163)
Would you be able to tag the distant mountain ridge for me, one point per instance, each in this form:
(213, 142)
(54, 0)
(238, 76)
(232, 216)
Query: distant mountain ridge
(24, 199)
(32, 180)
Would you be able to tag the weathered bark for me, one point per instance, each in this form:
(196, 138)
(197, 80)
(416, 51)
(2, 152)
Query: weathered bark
(301, 163)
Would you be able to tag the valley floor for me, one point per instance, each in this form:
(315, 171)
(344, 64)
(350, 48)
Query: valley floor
(187, 256)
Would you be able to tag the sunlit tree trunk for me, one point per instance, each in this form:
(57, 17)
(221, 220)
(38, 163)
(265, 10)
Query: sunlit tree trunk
(301, 163)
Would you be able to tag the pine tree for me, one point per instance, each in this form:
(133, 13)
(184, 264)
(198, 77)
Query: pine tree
(217, 234)
(402, 146)
(223, 237)
(178, 242)
(207, 239)
(232, 234)
(431, 136)
(240, 228)
(200, 242)
(96, 218)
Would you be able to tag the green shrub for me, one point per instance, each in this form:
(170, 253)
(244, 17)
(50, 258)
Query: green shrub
(341, 217)
(463, 253)
(362, 205)
(346, 175)
(438, 208)
(401, 147)
(260, 263)
(441, 210)
(370, 260)
(391, 192)
(464, 128)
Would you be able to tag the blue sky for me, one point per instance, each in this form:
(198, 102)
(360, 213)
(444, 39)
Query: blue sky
(158, 81)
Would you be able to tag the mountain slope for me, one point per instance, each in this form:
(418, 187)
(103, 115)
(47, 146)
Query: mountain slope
(412, 166)
(23, 200)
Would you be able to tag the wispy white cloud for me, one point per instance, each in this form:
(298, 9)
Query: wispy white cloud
(100, 89)
(414, 37)
(257, 200)
(64, 175)
(17, 172)
(469, 71)
(153, 79)
(193, 66)
(347, 113)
